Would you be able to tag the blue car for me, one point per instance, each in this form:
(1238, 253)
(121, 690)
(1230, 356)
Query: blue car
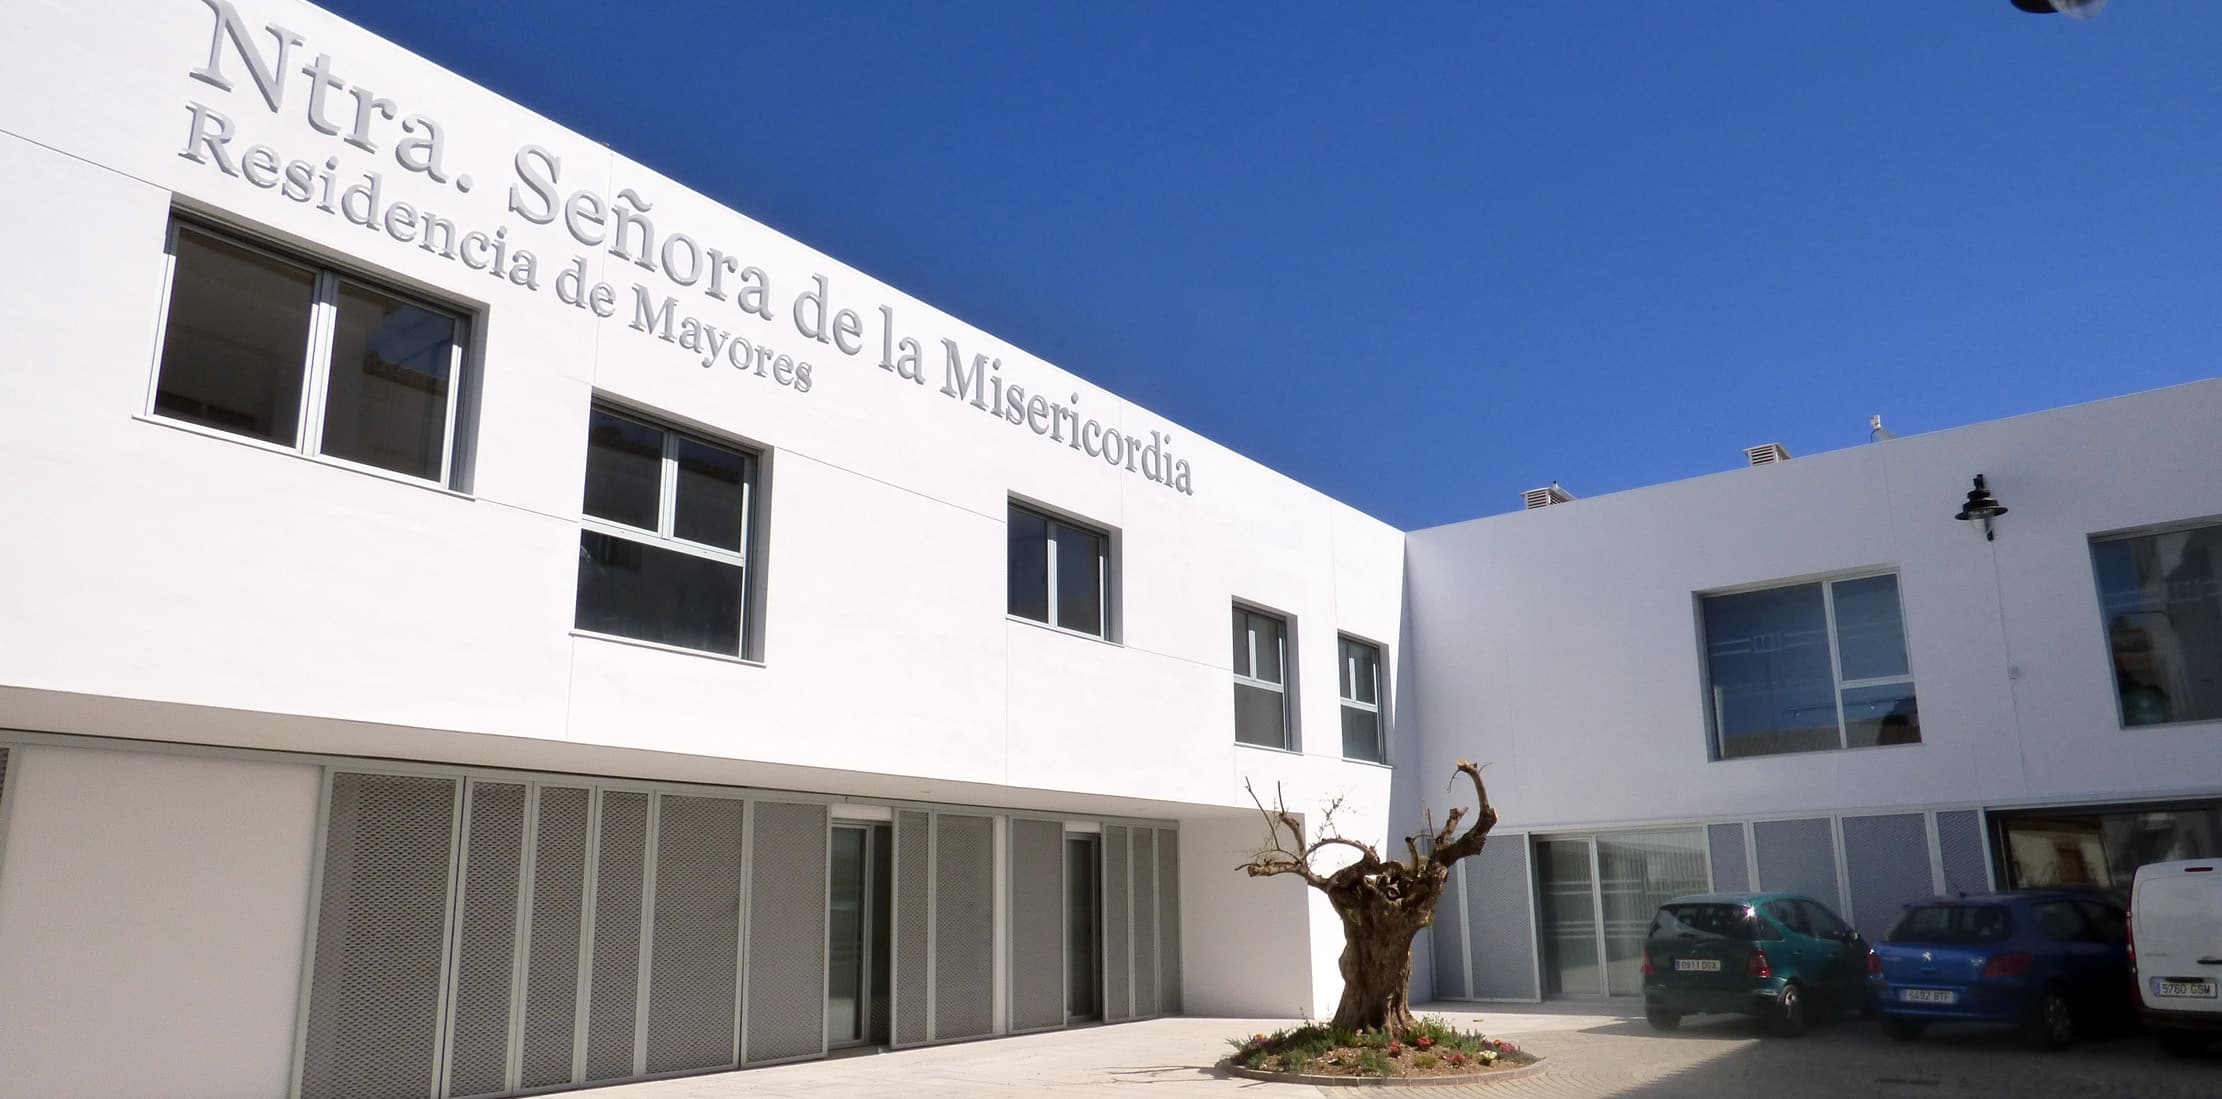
(2045, 961)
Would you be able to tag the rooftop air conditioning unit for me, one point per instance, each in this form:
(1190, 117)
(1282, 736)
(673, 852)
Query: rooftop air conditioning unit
(1545, 497)
(1766, 454)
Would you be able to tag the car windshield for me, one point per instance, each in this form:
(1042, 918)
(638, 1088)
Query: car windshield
(1953, 925)
(1728, 921)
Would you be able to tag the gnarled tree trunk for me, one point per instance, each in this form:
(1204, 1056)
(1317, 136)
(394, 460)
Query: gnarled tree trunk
(1383, 904)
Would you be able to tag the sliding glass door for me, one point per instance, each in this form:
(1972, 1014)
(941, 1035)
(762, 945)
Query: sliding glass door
(1598, 896)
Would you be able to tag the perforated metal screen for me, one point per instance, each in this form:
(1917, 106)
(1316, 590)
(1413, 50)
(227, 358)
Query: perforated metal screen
(1502, 948)
(381, 936)
(912, 898)
(1118, 946)
(1447, 940)
(694, 949)
(1960, 842)
(1887, 861)
(787, 884)
(1145, 922)
(613, 1002)
(1037, 934)
(1731, 865)
(486, 940)
(1798, 856)
(1168, 919)
(964, 926)
(558, 917)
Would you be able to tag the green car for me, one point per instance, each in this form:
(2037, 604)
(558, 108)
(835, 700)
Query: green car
(1782, 957)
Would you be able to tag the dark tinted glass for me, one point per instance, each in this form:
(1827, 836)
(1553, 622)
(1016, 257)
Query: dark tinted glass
(1361, 735)
(1767, 661)
(1823, 922)
(1789, 915)
(386, 404)
(1882, 714)
(235, 347)
(713, 495)
(624, 470)
(1079, 580)
(1361, 671)
(2162, 597)
(1259, 716)
(631, 589)
(1952, 925)
(1028, 554)
(1727, 921)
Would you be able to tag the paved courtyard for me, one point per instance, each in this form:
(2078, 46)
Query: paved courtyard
(1595, 1052)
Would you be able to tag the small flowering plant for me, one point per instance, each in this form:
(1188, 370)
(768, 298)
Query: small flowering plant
(1431, 1049)
(1424, 1042)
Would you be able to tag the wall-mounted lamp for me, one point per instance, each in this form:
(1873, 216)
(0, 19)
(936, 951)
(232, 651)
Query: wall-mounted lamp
(1982, 507)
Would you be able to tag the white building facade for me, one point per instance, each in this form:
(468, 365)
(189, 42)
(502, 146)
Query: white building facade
(486, 619)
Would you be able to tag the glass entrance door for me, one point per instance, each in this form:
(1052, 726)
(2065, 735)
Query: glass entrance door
(1570, 951)
(1599, 893)
(857, 934)
(1083, 929)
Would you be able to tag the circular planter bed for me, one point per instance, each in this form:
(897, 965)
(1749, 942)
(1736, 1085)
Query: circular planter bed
(1431, 1054)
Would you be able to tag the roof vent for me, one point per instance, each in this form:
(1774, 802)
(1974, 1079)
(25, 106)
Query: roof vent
(1545, 497)
(1766, 454)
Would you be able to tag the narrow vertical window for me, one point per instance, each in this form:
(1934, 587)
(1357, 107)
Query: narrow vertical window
(1361, 702)
(292, 353)
(664, 541)
(1261, 709)
(2162, 597)
(1058, 573)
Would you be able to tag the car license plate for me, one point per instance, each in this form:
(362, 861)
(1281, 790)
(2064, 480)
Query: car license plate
(2195, 989)
(1928, 996)
(1697, 965)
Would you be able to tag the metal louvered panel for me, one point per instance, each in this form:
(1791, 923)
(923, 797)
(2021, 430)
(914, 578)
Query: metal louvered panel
(1118, 950)
(1886, 859)
(1960, 843)
(1037, 934)
(1731, 868)
(1798, 856)
(381, 936)
(550, 1031)
(695, 946)
(1168, 919)
(486, 940)
(1145, 922)
(3, 770)
(912, 900)
(964, 926)
(1501, 951)
(1447, 937)
(613, 980)
(786, 1016)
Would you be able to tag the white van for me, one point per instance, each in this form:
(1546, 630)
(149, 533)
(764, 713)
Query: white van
(2175, 922)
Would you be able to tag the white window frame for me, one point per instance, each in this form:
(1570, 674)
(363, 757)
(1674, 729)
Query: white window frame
(667, 518)
(1288, 708)
(1716, 734)
(1052, 522)
(1378, 708)
(316, 364)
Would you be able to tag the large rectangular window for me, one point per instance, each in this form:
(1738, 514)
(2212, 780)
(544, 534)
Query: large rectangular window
(1059, 573)
(1361, 702)
(2162, 597)
(1261, 662)
(664, 540)
(288, 352)
(1809, 667)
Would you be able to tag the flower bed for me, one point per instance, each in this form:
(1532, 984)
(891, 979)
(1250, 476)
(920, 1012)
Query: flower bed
(1430, 1050)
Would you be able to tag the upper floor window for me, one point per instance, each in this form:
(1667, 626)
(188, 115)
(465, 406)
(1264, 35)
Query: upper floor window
(1361, 702)
(1059, 573)
(2162, 597)
(1809, 667)
(286, 351)
(1261, 662)
(665, 538)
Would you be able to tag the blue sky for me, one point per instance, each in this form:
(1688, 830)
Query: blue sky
(1424, 257)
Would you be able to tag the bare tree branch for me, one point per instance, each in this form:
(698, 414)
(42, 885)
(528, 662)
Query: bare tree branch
(1449, 850)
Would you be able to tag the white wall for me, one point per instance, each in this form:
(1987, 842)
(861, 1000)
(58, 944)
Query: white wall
(152, 909)
(1561, 646)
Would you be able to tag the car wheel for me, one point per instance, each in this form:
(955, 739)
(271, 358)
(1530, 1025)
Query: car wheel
(1662, 1019)
(2181, 1043)
(2052, 1025)
(1789, 1016)
(1903, 1029)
